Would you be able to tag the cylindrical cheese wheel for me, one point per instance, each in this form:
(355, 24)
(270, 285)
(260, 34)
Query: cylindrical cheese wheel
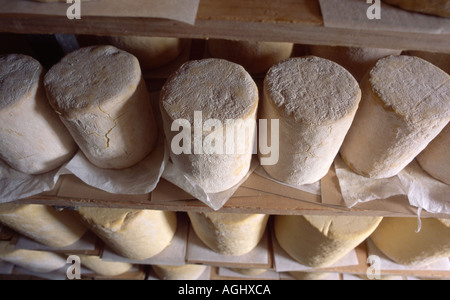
(358, 61)
(434, 7)
(249, 271)
(315, 101)
(435, 159)
(35, 261)
(102, 99)
(33, 139)
(255, 57)
(441, 60)
(215, 102)
(309, 275)
(186, 272)
(229, 234)
(320, 241)
(105, 268)
(398, 239)
(43, 223)
(405, 105)
(152, 52)
(135, 234)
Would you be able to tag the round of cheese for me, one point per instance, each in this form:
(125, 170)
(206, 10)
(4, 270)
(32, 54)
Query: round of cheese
(135, 234)
(229, 234)
(441, 60)
(255, 57)
(212, 104)
(435, 159)
(433, 7)
(43, 223)
(186, 272)
(105, 268)
(249, 271)
(102, 99)
(315, 101)
(397, 239)
(405, 105)
(309, 275)
(358, 61)
(33, 139)
(35, 261)
(320, 241)
(152, 52)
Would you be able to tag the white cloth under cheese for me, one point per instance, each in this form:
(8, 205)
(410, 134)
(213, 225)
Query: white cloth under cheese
(405, 105)
(35, 261)
(315, 101)
(152, 52)
(435, 159)
(229, 234)
(399, 240)
(220, 91)
(33, 139)
(102, 267)
(135, 234)
(320, 241)
(186, 272)
(102, 99)
(43, 223)
(358, 61)
(255, 57)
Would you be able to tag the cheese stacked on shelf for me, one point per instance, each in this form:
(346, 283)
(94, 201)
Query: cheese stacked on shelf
(358, 61)
(405, 105)
(212, 104)
(435, 159)
(399, 240)
(186, 272)
(33, 139)
(315, 101)
(321, 241)
(101, 97)
(35, 261)
(229, 234)
(255, 57)
(441, 60)
(43, 224)
(135, 234)
(105, 268)
(434, 7)
(152, 52)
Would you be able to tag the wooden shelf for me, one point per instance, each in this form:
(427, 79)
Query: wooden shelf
(298, 21)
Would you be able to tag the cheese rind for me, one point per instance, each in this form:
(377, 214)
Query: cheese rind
(435, 159)
(105, 268)
(102, 99)
(229, 234)
(404, 107)
(33, 139)
(433, 7)
(152, 52)
(315, 101)
(399, 240)
(358, 61)
(35, 261)
(43, 224)
(255, 57)
(320, 241)
(222, 92)
(135, 234)
(186, 272)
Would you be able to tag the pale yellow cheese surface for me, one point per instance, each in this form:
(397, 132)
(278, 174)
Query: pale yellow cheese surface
(186, 272)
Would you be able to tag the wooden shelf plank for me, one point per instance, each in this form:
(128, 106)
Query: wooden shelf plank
(281, 20)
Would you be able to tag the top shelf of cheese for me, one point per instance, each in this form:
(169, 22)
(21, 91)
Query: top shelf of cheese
(298, 21)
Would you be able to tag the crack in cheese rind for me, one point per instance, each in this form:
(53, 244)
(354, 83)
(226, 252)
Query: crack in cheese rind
(102, 99)
(34, 141)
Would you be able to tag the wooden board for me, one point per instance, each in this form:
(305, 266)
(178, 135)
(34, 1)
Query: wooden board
(280, 20)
